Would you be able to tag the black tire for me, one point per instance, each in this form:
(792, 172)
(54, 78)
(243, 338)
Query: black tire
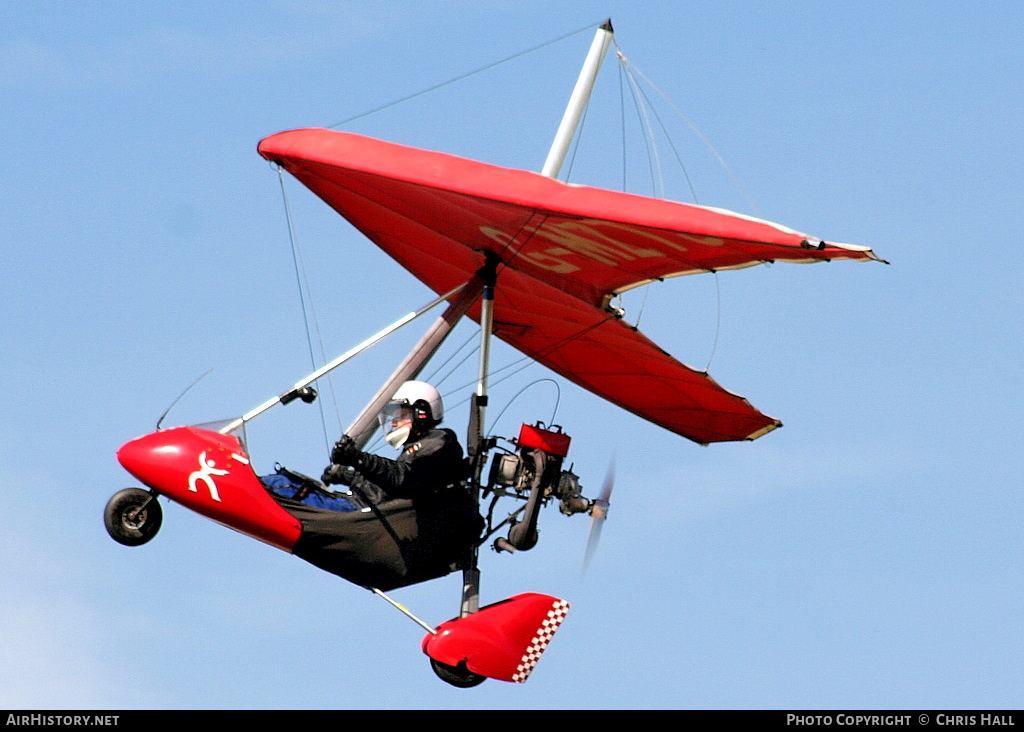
(459, 676)
(132, 516)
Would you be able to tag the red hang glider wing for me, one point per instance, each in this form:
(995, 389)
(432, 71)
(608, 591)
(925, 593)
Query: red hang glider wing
(565, 251)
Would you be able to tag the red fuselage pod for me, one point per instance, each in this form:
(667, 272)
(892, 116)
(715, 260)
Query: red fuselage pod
(210, 473)
(502, 641)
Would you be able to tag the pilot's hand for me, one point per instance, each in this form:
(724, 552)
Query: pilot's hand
(338, 475)
(345, 452)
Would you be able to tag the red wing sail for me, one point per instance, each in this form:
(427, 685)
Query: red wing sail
(565, 251)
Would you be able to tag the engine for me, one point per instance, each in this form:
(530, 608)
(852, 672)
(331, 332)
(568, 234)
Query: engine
(533, 473)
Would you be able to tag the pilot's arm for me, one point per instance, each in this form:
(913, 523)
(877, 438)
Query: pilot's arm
(425, 466)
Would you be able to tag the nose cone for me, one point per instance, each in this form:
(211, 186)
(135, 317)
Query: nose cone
(148, 457)
(209, 472)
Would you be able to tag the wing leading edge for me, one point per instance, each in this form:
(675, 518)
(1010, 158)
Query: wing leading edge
(565, 251)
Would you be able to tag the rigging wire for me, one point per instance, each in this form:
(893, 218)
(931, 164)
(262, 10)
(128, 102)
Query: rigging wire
(718, 321)
(437, 382)
(653, 158)
(696, 131)
(460, 77)
(579, 138)
(622, 125)
(308, 312)
(643, 102)
(649, 144)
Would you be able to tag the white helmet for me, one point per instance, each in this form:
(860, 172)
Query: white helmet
(418, 405)
(420, 391)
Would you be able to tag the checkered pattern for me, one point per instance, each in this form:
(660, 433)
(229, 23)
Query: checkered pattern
(546, 631)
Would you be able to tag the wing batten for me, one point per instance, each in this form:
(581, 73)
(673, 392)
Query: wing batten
(565, 251)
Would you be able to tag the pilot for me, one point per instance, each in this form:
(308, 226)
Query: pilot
(429, 469)
(419, 499)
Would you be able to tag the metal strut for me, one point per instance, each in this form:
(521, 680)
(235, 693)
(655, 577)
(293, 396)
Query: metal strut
(403, 609)
(300, 388)
(475, 445)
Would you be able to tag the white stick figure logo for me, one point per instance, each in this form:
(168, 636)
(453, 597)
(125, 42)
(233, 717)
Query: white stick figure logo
(207, 469)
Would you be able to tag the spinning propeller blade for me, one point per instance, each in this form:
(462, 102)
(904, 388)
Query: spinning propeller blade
(598, 514)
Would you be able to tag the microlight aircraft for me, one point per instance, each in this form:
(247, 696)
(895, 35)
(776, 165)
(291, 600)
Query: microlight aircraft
(537, 263)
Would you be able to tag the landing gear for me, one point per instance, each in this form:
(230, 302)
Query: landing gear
(132, 516)
(459, 676)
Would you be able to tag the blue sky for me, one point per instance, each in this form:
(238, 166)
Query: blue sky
(866, 555)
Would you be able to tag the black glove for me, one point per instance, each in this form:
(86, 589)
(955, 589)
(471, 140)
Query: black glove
(338, 475)
(345, 452)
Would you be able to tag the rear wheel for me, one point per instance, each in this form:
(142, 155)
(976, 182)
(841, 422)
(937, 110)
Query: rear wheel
(459, 676)
(132, 516)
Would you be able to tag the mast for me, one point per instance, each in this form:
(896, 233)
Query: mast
(578, 100)
(476, 445)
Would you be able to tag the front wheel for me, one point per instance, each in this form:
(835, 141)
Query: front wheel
(132, 516)
(459, 676)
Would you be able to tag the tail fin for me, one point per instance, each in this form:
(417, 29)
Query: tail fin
(502, 641)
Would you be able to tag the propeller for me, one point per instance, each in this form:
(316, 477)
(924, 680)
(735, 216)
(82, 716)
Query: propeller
(598, 514)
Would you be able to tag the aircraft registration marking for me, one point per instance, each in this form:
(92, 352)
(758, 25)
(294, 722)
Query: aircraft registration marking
(604, 242)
